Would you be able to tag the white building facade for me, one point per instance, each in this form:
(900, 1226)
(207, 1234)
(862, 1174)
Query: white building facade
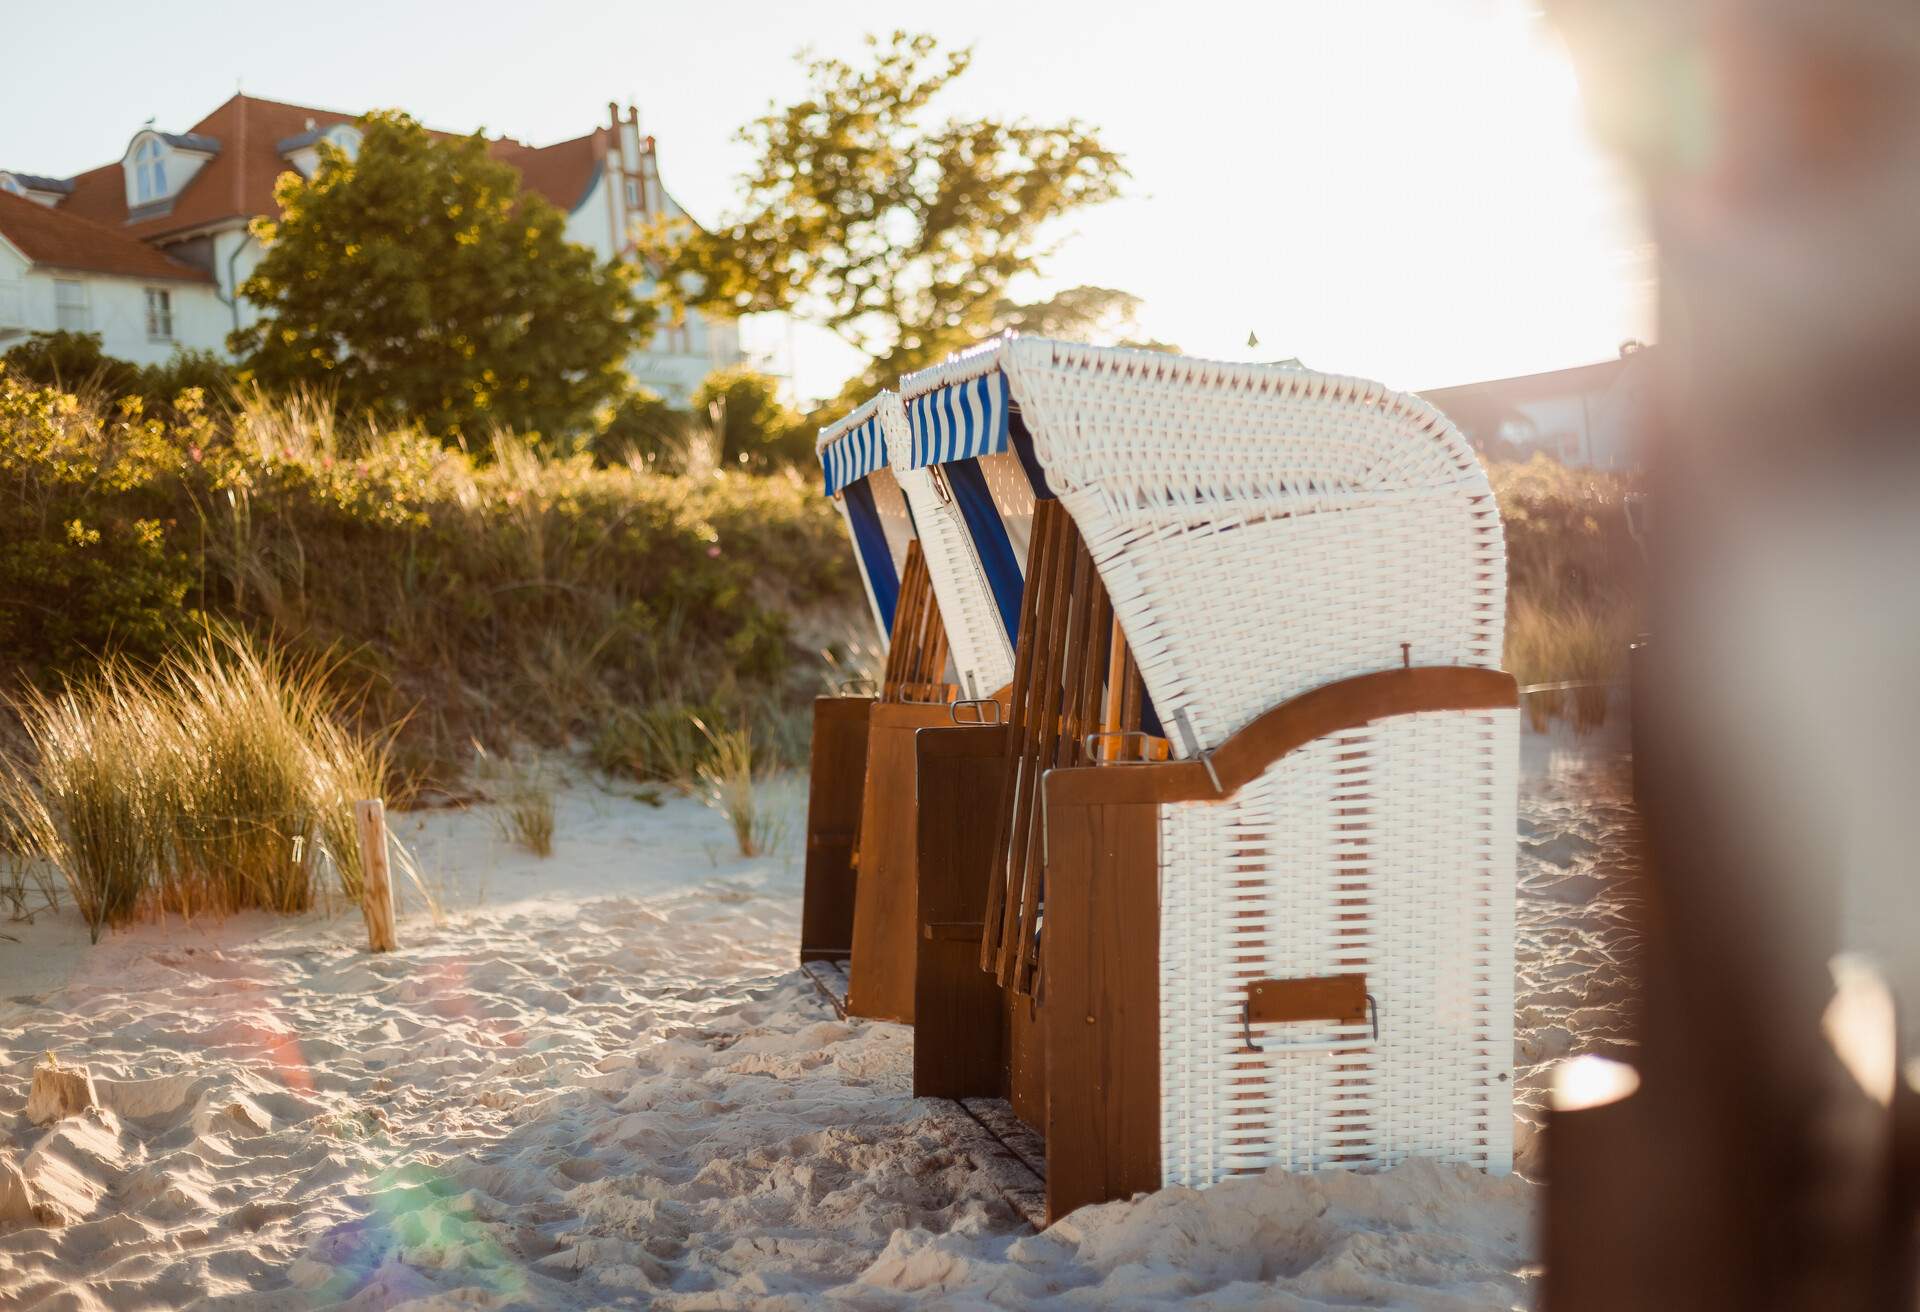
(1593, 415)
(150, 251)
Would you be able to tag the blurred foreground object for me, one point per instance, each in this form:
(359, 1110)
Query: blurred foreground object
(1767, 1158)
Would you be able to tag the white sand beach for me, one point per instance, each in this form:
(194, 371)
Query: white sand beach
(600, 1082)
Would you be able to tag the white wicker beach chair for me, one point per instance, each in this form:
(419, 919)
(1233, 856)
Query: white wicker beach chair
(1270, 537)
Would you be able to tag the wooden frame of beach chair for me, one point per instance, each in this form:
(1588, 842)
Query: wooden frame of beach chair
(853, 459)
(877, 870)
(1075, 696)
(979, 1036)
(1293, 947)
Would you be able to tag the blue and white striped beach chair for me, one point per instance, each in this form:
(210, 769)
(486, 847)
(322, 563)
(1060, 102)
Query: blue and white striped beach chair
(854, 467)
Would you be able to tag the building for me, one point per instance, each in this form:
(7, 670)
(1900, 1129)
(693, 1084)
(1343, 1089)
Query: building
(149, 250)
(1589, 415)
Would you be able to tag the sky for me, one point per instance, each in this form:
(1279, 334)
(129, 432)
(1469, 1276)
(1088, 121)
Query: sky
(1402, 189)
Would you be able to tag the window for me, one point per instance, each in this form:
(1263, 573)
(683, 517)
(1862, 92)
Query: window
(159, 314)
(149, 172)
(633, 193)
(347, 139)
(70, 304)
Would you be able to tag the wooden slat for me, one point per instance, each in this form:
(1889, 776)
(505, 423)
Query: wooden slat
(836, 781)
(1042, 729)
(1044, 537)
(1060, 713)
(1102, 1011)
(959, 1045)
(917, 649)
(1113, 714)
(886, 892)
(1027, 1058)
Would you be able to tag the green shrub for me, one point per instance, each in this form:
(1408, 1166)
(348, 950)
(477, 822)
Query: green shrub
(73, 362)
(91, 558)
(499, 595)
(643, 429)
(756, 428)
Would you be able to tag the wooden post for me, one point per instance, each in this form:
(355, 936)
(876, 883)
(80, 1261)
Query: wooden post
(376, 887)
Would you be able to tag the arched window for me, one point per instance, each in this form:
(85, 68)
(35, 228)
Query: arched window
(149, 171)
(347, 138)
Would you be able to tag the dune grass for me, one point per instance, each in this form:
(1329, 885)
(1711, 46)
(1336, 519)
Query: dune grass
(220, 780)
(1576, 577)
(730, 781)
(526, 809)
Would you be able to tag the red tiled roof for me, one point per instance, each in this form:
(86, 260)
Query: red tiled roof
(60, 240)
(238, 181)
(561, 172)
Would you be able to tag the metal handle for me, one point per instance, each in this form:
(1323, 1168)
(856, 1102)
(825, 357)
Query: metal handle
(1246, 1031)
(1090, 746)
(980, 705)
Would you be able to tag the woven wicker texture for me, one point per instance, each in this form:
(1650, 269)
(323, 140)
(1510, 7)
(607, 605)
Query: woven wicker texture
(1262, 532)
(982, 654)
(1386, 851)
(1227, 503)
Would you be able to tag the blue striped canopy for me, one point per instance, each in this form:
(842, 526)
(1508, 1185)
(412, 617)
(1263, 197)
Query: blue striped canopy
(960, 422)
(853, 455)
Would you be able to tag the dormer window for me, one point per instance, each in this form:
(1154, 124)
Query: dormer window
(149, 171)
(302, 149)
(160, 165)
(347, 138)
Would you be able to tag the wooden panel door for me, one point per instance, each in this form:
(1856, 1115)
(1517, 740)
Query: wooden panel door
(836, 780)
(886, 893)
(959, 1041)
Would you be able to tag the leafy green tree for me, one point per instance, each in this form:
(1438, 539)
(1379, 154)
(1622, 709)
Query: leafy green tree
(899, 232)
(419, 281)
(756, 428)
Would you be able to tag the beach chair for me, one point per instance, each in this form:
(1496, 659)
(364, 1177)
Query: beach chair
(1292, 943)
(854, 467)
(867, 882)
(1017, 550)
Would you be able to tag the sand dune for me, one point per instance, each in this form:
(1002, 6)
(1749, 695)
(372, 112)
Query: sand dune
(600, 1083)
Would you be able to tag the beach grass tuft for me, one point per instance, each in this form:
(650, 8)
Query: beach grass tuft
(730, 781)
(221, 780)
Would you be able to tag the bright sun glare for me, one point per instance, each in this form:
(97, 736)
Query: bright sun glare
(1403, 190)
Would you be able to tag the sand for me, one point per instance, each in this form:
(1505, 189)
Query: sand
(600, 1082)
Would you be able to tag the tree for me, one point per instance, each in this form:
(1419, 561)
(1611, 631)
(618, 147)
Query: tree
(900, 234)
(756, 428)
(1101, 316)
(420, 281)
